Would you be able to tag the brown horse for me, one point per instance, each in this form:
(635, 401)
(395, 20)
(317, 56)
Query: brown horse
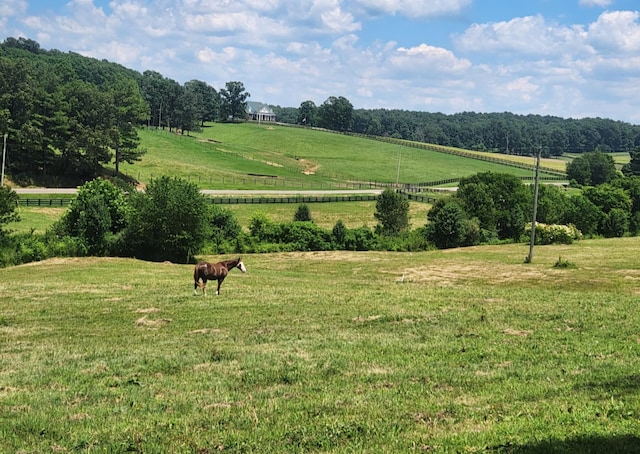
(215, 272)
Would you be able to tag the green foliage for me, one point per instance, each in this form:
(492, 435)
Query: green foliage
(445, 228)
(360, 239)
(303, 213)
(392, 211)
(615, 223)
(307, 114)
(584, 214)
(169, 221)
(233, 102)
(8, 207)
(553, 204)
(262, 228)
(632, 168)
(26, 247)
(564, 264)
(501, 202)
(67, 114)
(305, 236)
(99, 212)
(499, 132)
(339, 233)
(592, 169)
(336, 113)
(225, 228)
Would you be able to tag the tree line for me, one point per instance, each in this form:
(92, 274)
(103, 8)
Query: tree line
(505, 132)
(66, 116)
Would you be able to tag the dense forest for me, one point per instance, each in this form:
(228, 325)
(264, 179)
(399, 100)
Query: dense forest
(66, 116)
(494, 132)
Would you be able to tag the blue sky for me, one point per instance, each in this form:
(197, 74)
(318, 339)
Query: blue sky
(569, 58)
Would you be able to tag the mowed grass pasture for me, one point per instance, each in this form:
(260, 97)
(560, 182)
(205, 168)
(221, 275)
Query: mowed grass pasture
(254, 156)
(464, 350)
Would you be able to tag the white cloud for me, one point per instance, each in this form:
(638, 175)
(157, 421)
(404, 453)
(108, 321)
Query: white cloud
(288, 52)
(530, 35)
(522, 88)
(339, 21)
(428, 58)
(12, 8)
(617, 30)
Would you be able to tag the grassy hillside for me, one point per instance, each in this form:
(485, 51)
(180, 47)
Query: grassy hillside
(250, 155)
(463, 350)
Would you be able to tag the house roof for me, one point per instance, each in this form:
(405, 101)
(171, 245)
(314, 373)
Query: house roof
(259, 107)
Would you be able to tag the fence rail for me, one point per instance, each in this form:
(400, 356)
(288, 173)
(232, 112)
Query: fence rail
(296, 199)
(53, 202)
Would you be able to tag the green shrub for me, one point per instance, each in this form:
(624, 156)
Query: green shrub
(99, 211)
(303, 213)
(305, 236)
(564, 264)
(392, 211)
(169, 221)
(360, 239)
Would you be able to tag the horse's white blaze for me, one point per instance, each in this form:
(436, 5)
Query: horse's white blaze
(242, 268)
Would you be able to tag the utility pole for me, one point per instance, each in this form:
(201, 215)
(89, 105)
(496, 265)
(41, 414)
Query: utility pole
(529, 258)
(398, 171)
(4, 154)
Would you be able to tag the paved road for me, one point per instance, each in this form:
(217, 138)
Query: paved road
(229, 192)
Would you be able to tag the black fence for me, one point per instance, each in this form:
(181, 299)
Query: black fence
(296, 199)
(45, 202)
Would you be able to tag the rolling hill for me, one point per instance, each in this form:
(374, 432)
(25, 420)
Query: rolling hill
(250, 155)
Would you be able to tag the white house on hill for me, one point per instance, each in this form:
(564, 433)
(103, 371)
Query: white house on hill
(258, 111)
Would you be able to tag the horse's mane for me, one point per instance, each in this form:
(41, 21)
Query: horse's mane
(231, 263)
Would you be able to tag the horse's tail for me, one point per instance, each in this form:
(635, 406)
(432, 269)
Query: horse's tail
(196, 278)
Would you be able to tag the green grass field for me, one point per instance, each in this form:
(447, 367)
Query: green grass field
(247, 155)
(325, 215)
(465, 350)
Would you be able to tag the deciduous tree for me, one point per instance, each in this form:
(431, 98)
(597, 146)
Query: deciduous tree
(392, 211)
(169, 221)
(233, 101)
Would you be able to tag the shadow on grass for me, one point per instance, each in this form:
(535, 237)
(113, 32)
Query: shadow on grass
(584, 445)
(627, 385)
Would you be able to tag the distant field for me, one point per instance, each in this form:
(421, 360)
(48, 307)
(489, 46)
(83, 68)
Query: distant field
(247, 155)
(353, 214)
(38, 219)
(325, 215)
(464, 350)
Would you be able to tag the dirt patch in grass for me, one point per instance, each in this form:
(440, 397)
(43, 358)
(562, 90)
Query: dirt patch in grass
(145, 322)
(308, 167)
(149, 310)
(206, 331)
(517, 332)
(455, 273)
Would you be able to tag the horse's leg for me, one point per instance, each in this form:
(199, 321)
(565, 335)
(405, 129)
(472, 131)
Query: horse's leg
(197, 284)
(219, 284)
